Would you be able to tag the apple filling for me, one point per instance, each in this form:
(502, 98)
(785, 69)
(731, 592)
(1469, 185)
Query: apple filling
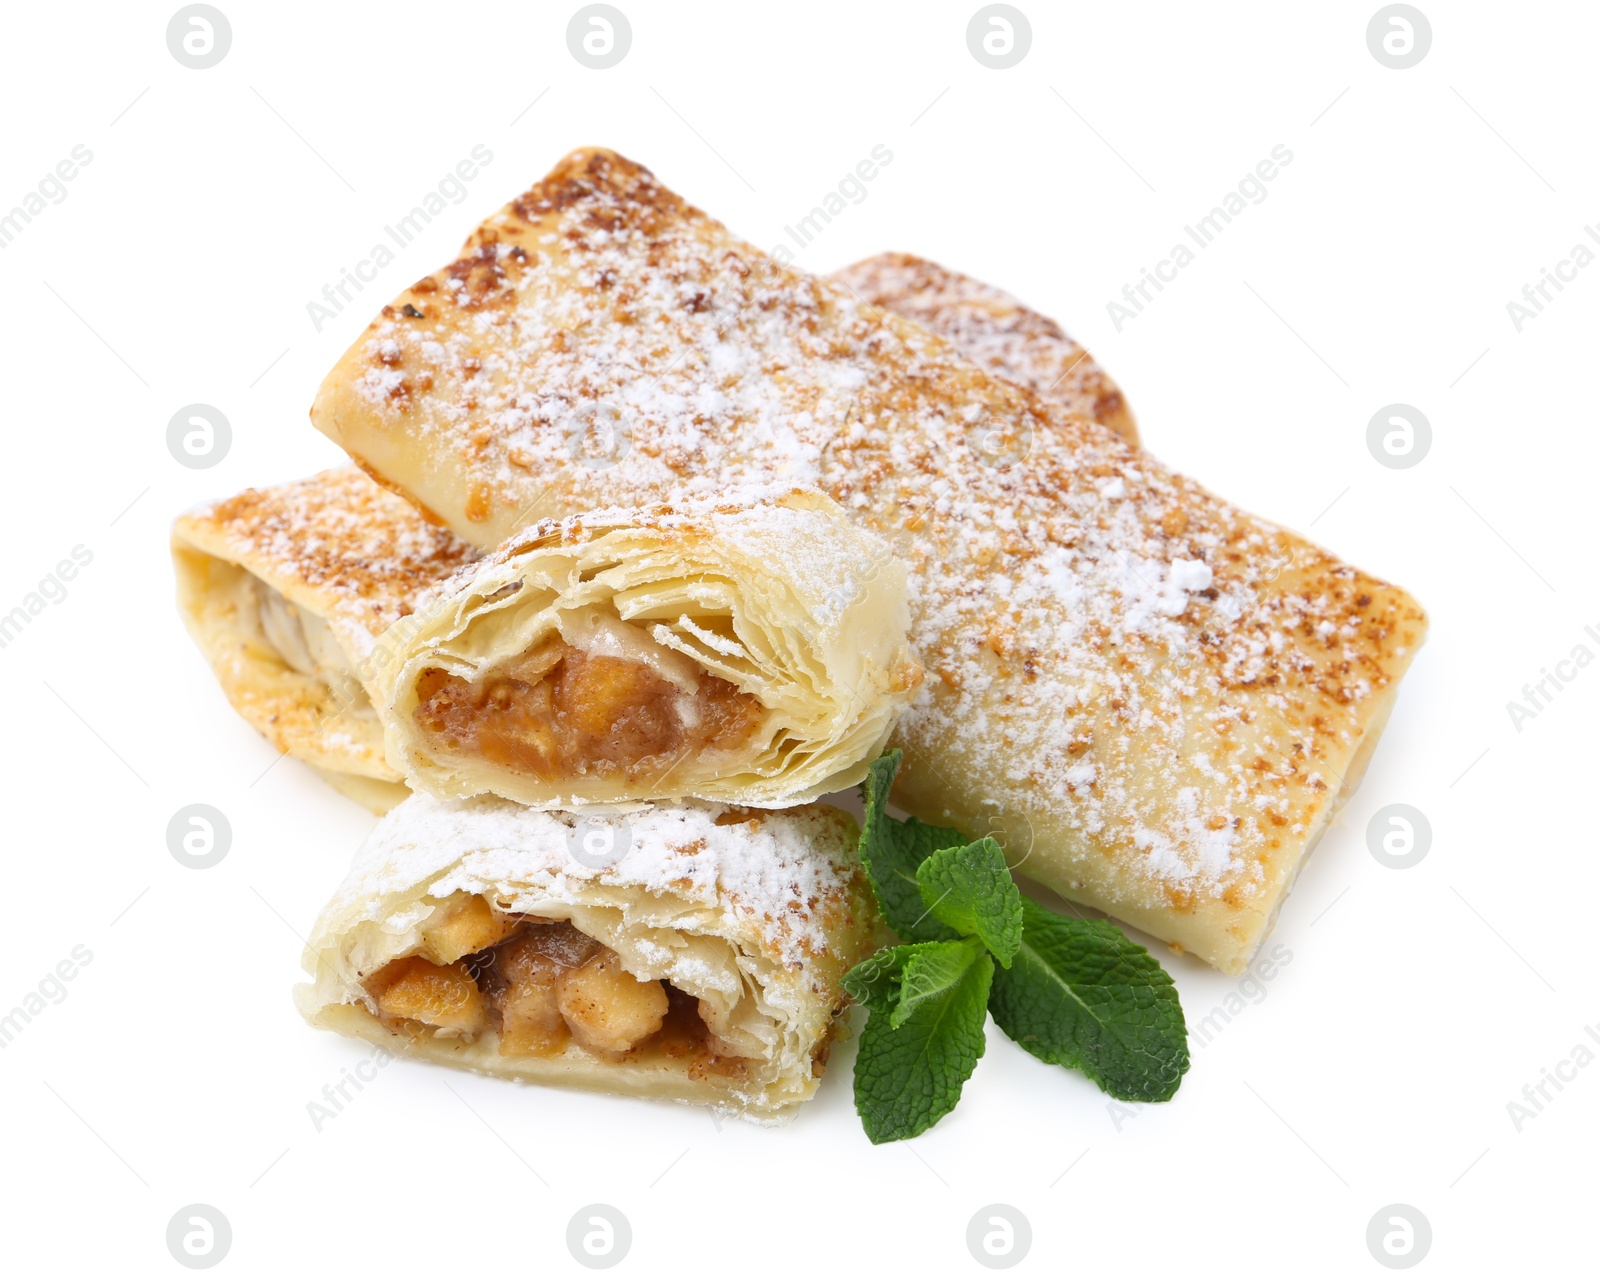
(540, 985)
(562, 712)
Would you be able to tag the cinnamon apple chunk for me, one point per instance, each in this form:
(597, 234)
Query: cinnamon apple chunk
(443, 997)
(525, 974)
(607, 1009)
(469, 925)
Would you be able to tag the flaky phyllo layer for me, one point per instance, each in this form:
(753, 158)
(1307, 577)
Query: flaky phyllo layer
(752, 651)
(690, 952)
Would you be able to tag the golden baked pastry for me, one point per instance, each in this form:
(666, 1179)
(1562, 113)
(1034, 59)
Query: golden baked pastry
(1157, 700)
(995, 330)
(732, 651)
(284, 590)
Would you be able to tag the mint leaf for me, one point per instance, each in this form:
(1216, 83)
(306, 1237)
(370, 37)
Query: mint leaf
(1081, 994)
(891, 849)
(909, 1076)
(931, 972)
(898, 980)
(875, 982)
(970, 889)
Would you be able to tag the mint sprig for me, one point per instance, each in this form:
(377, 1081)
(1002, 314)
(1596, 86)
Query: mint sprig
(1070, 991)
(927, 1001)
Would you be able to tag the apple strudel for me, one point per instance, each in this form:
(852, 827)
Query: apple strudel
(1155, 699)
(690, 952)
(730, 651)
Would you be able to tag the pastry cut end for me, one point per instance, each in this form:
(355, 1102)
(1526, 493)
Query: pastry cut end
(752, 652)
(702, 965)
(534, 998)
(284, 589)
(280, 666)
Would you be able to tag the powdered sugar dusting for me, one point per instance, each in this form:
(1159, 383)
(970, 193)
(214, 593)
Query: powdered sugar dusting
(791, 875)
(367, 550)
(994, 329)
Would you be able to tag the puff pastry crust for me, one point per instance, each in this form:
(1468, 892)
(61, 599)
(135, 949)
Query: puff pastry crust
(995, 330)
(1156, 699)
(751, 651)
(285, 589)
(728, 930)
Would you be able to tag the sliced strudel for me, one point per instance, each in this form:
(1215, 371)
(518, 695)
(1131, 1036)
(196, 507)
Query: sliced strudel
(686, 951)
(732, 651)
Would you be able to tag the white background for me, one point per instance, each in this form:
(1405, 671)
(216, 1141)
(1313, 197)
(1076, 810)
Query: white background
(1417, 1003)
